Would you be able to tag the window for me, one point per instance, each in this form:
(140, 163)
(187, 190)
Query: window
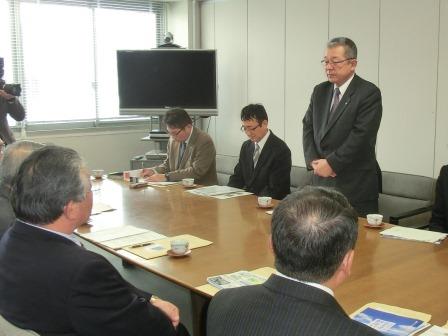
(63, 52)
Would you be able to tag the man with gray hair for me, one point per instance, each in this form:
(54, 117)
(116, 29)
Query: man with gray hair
(314, 232)
(340, 129)
(10, 162)
(48, 282)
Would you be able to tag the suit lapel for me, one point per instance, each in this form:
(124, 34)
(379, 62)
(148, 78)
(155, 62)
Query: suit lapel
(188, 149)
(264, 156)
(344, 103)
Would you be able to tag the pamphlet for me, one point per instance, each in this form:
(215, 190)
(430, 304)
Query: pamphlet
(237, 279)
(389, 324)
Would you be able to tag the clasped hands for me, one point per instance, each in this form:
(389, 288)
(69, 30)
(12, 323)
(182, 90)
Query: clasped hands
(151, 176)
(322, 168)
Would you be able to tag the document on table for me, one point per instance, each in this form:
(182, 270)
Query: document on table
(160, 247)
(237, 279)
(391, 320)
(99, 207)
(134, 240)
(400, 232)
(219, 192)
(160, 184)
(113, 233)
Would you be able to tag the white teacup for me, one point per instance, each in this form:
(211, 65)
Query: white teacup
(374, 219)
(188, 182)
(179, 246)
(98, 173)
(264, 201)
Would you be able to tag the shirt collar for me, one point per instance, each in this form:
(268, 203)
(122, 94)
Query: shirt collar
(71, 237)
(314, 284)
(263, 140)
(344, 86)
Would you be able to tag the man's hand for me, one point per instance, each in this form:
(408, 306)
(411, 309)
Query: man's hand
(322, 168)
(156, 178)
(146, 172)
(168, 309)
(5, 95)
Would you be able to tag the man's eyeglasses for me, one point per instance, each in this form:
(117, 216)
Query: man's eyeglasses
(325, 62)
(173, 134)
(249, 129)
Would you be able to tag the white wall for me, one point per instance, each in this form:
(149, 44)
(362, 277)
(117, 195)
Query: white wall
(178, 22)
(269, 52)
(110, 150)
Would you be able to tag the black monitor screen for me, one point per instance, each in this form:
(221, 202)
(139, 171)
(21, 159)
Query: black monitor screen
(162, 78)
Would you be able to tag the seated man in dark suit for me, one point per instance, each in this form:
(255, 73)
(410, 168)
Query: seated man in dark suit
(264, 166)
(48, 282)
(314, 232)
(439, 218)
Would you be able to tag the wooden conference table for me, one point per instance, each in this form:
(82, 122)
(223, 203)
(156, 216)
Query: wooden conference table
(411, 275)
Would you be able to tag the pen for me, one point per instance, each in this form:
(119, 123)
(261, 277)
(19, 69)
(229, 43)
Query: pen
(141, 245)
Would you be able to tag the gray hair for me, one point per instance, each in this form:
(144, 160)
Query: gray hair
(13, 157)
(349, 46)
(312, 231)
(46, 182)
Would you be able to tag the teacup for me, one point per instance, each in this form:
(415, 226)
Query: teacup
(179, 246)
(264, 201)
(188, 182)
(98, 173)
(374, 219)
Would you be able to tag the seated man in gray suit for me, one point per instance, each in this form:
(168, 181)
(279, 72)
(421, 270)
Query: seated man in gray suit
(314, 232)
(191, 153)
(10, 162)
(48, 282)
(264, 166)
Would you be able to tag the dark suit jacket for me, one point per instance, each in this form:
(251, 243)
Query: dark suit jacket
(280, 307)
(347, 140)
(53, 286)
(16, 111)
(439, 218)
(271, 176)
(198, 161)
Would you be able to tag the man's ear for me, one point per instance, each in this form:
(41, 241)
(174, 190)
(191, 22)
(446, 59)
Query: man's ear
(347, 262)
(270, 245)
(70, 210)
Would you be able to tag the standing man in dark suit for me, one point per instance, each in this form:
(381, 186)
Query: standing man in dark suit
(191, 152)
(340, 129)
(264, 165)
(439, 217)
(314, 232)
(48, 282)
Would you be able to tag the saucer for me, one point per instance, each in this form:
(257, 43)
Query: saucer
(367, 225)
(189, 186)
(270, 206)
(172, 254)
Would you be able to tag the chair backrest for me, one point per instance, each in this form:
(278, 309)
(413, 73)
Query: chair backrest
(8, 329)
(300, 177)
(225, 164)
(405, 192)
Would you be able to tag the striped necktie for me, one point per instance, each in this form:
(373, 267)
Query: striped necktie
(182, 147)
(256, 154)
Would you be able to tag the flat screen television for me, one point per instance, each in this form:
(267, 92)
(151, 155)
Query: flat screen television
(152, 81)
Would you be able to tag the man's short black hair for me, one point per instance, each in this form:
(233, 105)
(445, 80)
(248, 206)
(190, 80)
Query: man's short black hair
(312, 231)
(177, 118)
(254, 111)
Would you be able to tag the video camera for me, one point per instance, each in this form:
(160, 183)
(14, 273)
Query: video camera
(12, 89)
